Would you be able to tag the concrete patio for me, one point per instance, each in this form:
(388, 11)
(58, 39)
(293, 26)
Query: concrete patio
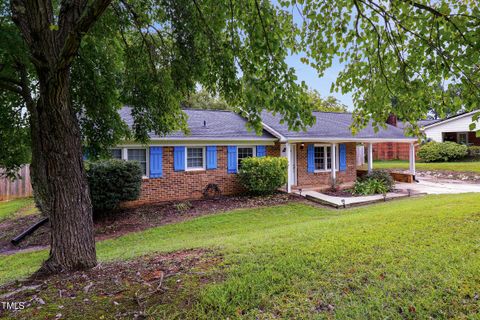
(435, 186)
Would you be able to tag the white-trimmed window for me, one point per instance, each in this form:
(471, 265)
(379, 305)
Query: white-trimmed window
(139, 155)
(323, 158)
(462, 138)
(244, 152)
(195, 158)
(116, 153)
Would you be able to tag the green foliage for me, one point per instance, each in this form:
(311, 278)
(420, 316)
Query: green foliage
(204, 100)
(405, 57)
(383, 176)
(474, 152)
(328, 104)
(375, 182)
(111, 182)
(369, 187)
(442, 151)
(263, 175)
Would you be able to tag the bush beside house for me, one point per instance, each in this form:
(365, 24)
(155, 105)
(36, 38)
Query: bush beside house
(263, 175)
(442, 151)
(111, 182)
(375, 182)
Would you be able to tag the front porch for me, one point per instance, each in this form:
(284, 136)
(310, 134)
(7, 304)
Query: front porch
(317, 165)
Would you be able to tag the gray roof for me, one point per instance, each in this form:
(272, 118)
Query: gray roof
(208, 125)
(420, 123)
(332, 126)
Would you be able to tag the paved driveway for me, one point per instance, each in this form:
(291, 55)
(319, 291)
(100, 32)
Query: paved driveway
(434, 186)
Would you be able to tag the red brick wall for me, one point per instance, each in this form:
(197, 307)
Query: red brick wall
(473, 139)
(322, 179)
(391, 151)
(185, 185)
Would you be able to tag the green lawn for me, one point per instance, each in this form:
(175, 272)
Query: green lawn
(17, 207)
(472, 166)
(413, 258)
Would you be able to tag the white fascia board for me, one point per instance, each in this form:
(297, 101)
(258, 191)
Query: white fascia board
(450, 119)
(186, 142)
(274, 133)
(372, 140)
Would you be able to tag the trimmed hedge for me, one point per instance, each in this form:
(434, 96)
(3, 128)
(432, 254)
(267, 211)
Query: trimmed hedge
(263, 175)
(442, 151)
(111, 182)
(474, 152)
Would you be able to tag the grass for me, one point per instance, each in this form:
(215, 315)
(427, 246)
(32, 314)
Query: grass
(16, 208)
(472, 166)
(413, 258)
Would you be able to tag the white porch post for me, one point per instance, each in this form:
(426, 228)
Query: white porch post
(334, 163)
(412, 158)
(370, 157)
(289, 170)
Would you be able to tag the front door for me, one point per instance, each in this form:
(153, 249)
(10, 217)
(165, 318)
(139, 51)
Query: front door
(293, 157)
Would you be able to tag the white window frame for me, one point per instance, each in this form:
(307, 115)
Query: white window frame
(337, 157)
(204, 158)
(147, 158)
(466, 137)
(254, 152)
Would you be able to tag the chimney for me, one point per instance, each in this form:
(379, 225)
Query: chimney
(392, 120)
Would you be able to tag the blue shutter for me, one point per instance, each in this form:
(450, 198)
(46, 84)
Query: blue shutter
(311, 158)
(261, 151)
(343, 157)
(179, 158)
(156, 162)
(232, 159)
(211, 157)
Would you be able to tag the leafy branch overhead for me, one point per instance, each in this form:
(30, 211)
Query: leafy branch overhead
(404, 56)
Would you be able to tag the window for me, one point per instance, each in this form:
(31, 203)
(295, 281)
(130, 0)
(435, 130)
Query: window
(195, 158)
(116, 153)
(323, 158)
(463, 138)
(242, 153)
(139, 155)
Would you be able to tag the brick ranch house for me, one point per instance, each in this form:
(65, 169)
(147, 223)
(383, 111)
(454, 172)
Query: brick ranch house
(180, 167)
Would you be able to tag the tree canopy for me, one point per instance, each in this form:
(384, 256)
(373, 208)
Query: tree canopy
(328, 104)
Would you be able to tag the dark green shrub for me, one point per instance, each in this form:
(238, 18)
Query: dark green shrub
(474, 152)
(442, 151)
(369, 187)
(111, 182)
(263, 175)
(382, 176)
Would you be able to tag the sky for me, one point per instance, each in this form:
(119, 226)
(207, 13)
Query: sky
(323, 84)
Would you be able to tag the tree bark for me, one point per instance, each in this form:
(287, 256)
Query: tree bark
(58, 176)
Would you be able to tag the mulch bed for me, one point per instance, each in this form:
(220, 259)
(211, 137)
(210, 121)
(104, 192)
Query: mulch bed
(139, 218)
(120, 290)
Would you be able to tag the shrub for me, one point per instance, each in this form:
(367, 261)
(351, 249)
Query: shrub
(369, 186)
(474, 152)
(111, 182)
(382, 176)
(263, 175)
(442, 151)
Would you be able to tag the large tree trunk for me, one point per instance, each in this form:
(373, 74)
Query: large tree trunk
(58, 176)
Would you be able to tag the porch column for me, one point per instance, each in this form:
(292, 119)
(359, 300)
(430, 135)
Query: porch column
(411, 157)
(370, 157)
(334, 163)
(289, 169)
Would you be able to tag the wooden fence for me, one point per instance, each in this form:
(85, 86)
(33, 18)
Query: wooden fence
(18, 188)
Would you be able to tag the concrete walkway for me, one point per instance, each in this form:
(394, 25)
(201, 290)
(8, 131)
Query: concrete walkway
(431, 186)
(345, 202)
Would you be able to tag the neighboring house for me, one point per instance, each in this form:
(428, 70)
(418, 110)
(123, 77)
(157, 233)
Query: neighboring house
(396, 150)
(455, 128)
(178, 167)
